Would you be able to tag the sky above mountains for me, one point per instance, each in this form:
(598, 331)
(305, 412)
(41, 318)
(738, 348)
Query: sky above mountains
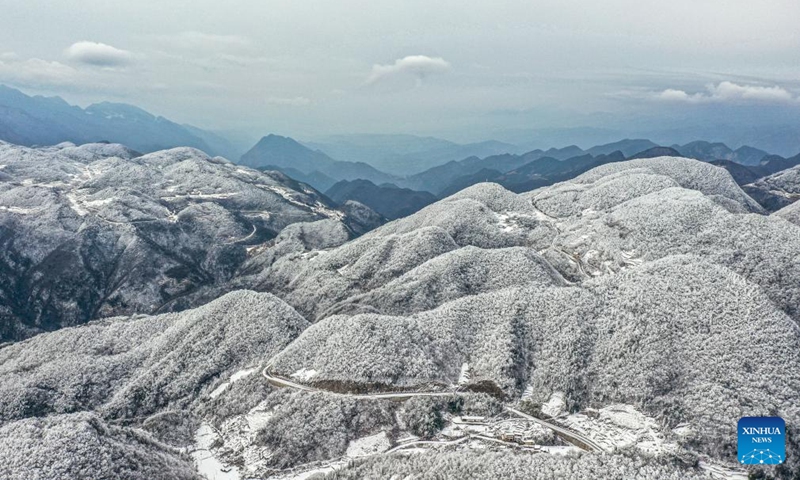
(463, 70)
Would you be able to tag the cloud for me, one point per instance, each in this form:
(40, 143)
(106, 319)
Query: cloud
(730, 92)
(419, 66)
(36, 72)
(98, 54)
(293, 101)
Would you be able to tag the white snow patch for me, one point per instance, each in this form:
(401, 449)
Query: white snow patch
(234, 378)
(507, 222)
(463, 378)
(559, 449)
(258, 419)
(304, 375)
(621, 426)
(73, 202)
(555, 406)
(218, 391)
(207, 464)
(202, 196)
(95, 203)
(719, 471)
(242, 374)
(371, 445)
(18, 210)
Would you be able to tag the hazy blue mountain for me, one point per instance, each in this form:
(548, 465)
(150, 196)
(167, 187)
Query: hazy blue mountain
(740, 173)
(389, 200)
(440, 178)
(707, 151)
(278, 152)
(547, 171)
(775, 163)
(531, 139)
(406, 154)
(217, 142)
(657, 152)
(36, 120)
(537, 173)
(445, 179)
(317, 179)
(628, 147)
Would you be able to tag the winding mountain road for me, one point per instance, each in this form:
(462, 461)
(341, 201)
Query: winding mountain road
(579, 440)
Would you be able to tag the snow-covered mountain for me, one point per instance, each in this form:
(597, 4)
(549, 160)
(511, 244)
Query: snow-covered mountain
(615, 325)
(778, 190)
(98, 230)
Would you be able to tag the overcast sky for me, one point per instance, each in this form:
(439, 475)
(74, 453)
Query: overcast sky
(455, 68)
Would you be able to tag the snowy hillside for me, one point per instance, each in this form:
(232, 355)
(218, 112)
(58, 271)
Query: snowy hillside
(98, 230)
(612, 326)
(777, 190)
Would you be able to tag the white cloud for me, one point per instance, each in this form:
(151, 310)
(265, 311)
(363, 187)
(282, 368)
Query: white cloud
(289, 101)
(8, 56)
(98, 54)
(420, 66)
(731, 92)
(36, 71)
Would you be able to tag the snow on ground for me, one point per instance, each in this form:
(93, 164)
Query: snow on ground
(241, 374)
(506, 222)
(18, 210)
(207, 464)
(620, 426)
(719, 471)
(76, 206)
(313, 254)
(234, 378)
(560, 449)
(97, 203)
(303, 375)
(371, 445)
(513, 222)
(555, 406)
(630, 259)
(527, 393)
(238, 444)
(463, 378)
(201, 196)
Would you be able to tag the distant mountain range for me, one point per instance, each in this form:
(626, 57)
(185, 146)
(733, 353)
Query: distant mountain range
(446, 178)
(707, 151)
(395, 196)
(414, 164)
(406, 154)
(316, 168)
(36, 120)
(387, 199)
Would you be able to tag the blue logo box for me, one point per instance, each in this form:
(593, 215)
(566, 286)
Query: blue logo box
(762, 440)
